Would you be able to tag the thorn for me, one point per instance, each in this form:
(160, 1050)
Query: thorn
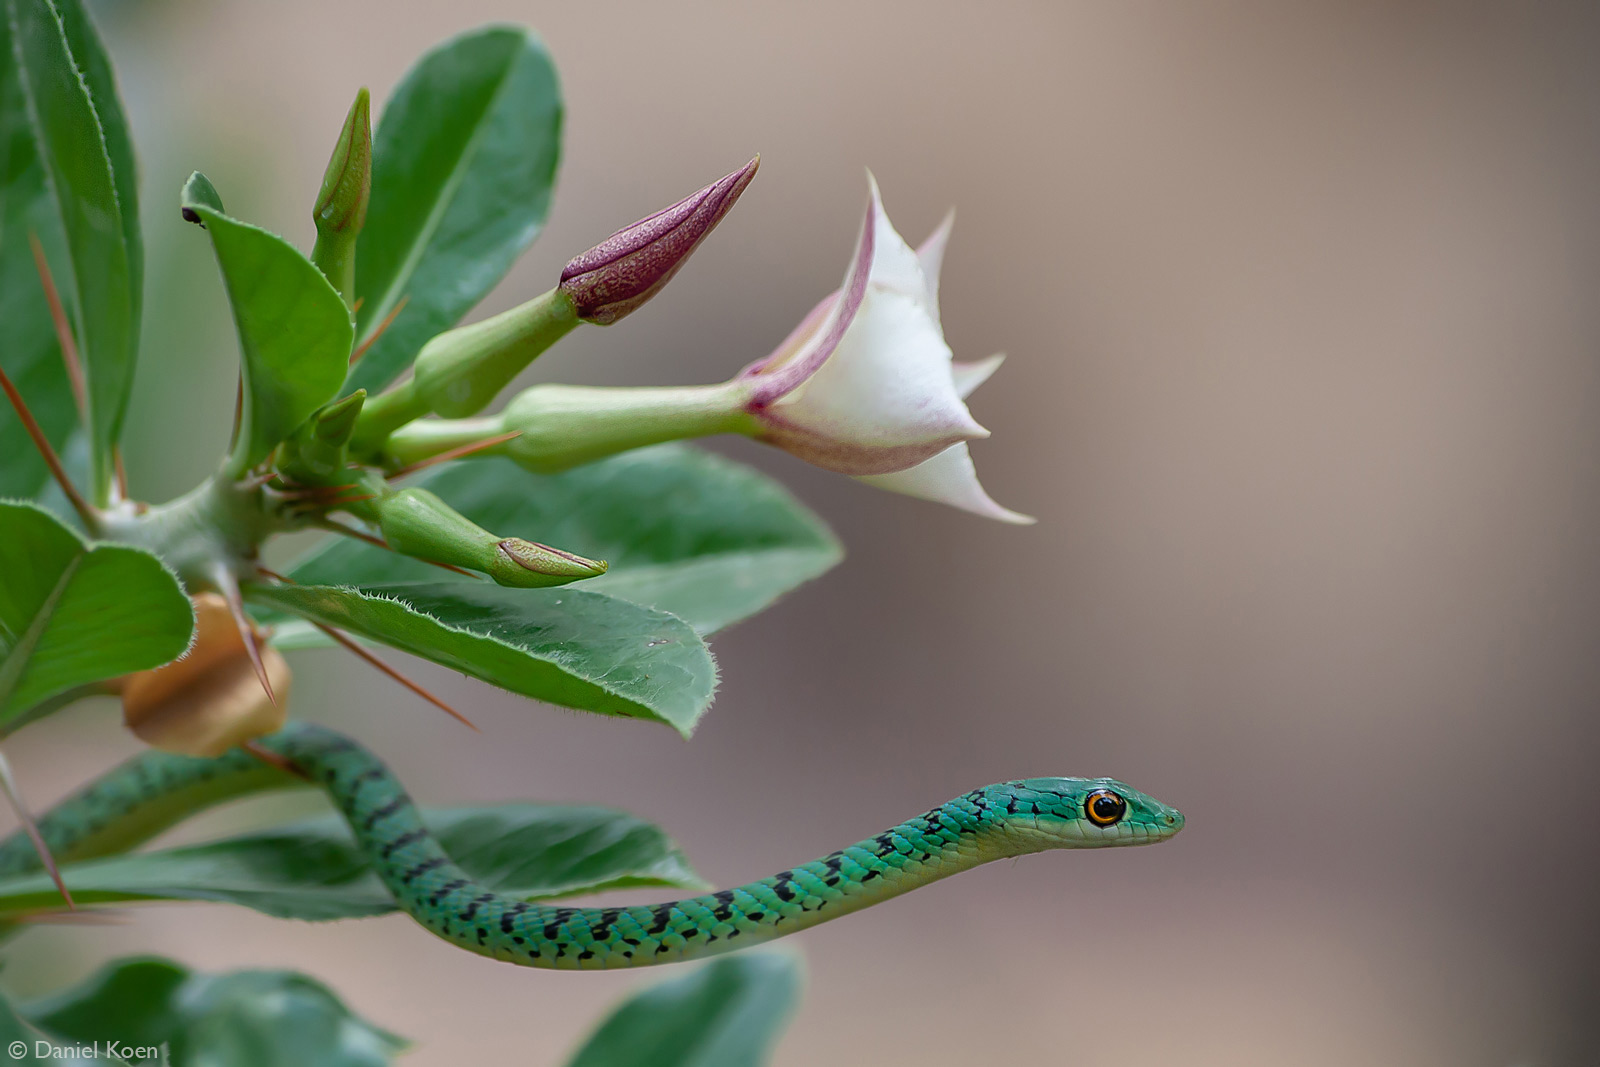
(316, 504)
(261, 478)
(361, 349)
(58, 318)
(309, 491)
(90, 517)
(230, 592)
(348, 531)
(9, 783)
(368, 656)
(392, 673)
(122, 472)
(341, 528)
(266, 755)
(455, 453)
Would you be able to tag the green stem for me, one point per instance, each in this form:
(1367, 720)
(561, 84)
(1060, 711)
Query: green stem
(562, 426)
(221, 522)
(460, 371)
(427, 438)
(382, 415)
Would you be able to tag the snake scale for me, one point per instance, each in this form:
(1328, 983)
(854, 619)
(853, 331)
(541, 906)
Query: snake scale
(155, 790)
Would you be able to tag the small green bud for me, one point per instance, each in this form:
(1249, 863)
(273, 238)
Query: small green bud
(529, 563)
(417, 523)
(318, 451)
(341, 208)
(460, 371)
(334, 424)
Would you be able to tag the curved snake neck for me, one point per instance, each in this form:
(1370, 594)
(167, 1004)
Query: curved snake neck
(155, 790)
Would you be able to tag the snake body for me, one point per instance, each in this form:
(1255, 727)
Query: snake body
(154, 790)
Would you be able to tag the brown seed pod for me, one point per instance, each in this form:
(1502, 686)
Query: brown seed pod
(210, 700)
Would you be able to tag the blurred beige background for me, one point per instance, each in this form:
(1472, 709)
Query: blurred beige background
(1300, 302)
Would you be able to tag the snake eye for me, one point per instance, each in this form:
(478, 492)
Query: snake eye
(1104, 808)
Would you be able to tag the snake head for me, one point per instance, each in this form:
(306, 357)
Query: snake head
(1046, 813)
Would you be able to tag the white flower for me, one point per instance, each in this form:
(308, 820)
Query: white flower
(866, 384)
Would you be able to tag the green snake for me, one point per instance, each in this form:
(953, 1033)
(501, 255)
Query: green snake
(155, 790)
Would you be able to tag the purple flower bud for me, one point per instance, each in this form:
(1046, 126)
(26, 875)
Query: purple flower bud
(627, 268)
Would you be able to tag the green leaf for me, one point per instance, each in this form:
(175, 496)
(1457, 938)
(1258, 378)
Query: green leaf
(242, 1019)
(707, 539)
(14, 1031)
(72, 614)
(101, 81)
(294, 330)
(72, 145)
(463, 165)
(30, 355)
(728, 1013)
(566, 646)
(313, 870)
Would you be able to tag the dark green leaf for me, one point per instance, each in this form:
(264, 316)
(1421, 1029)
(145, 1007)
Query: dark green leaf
(14, 1031)
(726, 1014)
(242, 1019)
(71, 143)
(101, 82)
(72, 614)
(294, 330)
(567, 646)
(30, 355)
(131, 1001)
(313, 870)
(707, 539)
(464, 161)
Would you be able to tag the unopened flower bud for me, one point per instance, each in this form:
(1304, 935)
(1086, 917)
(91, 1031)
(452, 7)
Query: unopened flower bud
(417, 523)
(629, 267)
(341, 208)
(530, 564)
(210, 700)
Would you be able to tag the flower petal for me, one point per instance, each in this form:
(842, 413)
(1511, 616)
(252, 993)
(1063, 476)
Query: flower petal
(776, 378)
(894, 264)
(889, 382)
(968, 376)
(866, 385)
(798, 338)
(931, 255)
(948, 478)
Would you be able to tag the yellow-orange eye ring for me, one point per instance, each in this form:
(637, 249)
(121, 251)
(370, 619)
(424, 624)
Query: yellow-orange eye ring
(1104, 808)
